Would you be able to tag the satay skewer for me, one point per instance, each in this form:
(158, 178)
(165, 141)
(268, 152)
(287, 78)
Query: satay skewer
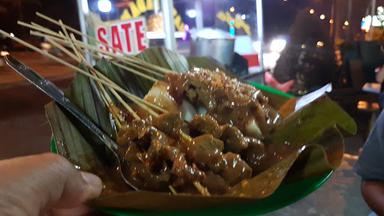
(40, 28)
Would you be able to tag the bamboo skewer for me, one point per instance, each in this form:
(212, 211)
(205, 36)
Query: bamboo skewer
(59, 46)
(146, 103)
(135, 72)
(102, 76)
(67, 38)
(104, 95)
(74, 30)
(38, 28)
(154, 72)
(125, 105)
(137, 99)
(58, 23)
(203, 190)
(130, 96)
(172, 189)
(83, 45)
(96, 73)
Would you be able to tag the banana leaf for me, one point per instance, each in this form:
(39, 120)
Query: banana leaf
(71, 144)
(324, 153)
(299, 127)
(85, 96)
(128, 81)
(112, 72)
(165, 58)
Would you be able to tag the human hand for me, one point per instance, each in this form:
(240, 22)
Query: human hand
(45, 184)
(373, 193)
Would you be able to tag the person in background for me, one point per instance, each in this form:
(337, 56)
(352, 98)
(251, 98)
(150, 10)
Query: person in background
(45, 184)
(370, 167)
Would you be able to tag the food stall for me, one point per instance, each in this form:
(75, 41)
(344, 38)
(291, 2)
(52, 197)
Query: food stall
(193, 28)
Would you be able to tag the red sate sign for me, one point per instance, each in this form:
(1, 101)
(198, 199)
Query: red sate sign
(127, 36)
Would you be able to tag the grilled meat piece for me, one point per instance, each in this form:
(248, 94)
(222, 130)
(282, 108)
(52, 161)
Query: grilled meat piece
(171, 123)
(234, 140)
(205, 124)
(236, 169)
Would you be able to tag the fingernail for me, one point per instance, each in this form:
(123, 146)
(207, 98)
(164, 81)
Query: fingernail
(94, 184)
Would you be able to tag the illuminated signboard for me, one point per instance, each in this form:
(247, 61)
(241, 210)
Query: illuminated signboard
(126, 36)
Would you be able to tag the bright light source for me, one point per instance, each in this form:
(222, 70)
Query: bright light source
(346, 23)
(303, 46)
(46, 46)
(104, 6)
(331, 21)
(232, 9)
(362, 105)
(11, 34)
(278, 45)
(322, 17)
(191, 13)
(270, 59)
(4, 53)
(84, 6)
(380, 9)
(243, 16)
(319, 44)
(312, 11)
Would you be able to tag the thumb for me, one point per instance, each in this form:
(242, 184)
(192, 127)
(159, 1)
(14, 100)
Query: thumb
(78, 188)
(39, 182)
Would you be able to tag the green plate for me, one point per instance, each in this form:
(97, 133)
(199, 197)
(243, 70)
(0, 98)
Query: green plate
(285, 195)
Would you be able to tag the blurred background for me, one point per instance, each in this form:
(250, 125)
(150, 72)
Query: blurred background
(296, 46)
